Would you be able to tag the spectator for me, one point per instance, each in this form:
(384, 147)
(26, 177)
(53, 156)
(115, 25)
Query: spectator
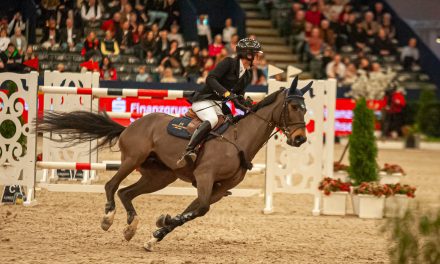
(258, 77)
(204, 32)
(107, 71)
(336, 69)
(393, 113)
(4, 40)
(175, 35)
(91, 12)
(156, 10)
(70, 37)
(313, 15)
(410, 54)
(142, 75)
(11, 58)
(16, 22)
(114, 25)
(230, 47)
(168, 76)
(370, 26)
(163, 45)
(172, 9)
(387, 25)
(155, 29)
(126, 41)
(327, 34)
(364, 65)
(202, 79)
(91, 47)
(133, 22)
(216, 47)
(298, 28)
(382, 44)
(51, 36)
(228, 30)
(219, 57)
(61, 67)
(29, 54)
(379, 12)
(150, 60)
(359, 37)
(138, 34)
(315, 43)
(149, 44)
(209, 64)
(109, 46)
(350, 74)
(192, 70)
(126, 11)
(264, 67)
(172, 58)
(18, 40)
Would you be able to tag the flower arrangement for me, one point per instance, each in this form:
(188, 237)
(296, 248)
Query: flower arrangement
(371, 85)
(403, 189)
(329, 185)
(373, 188)
(338, 166)
(392, 168)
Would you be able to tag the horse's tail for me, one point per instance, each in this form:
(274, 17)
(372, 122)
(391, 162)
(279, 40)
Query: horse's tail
(81, 126)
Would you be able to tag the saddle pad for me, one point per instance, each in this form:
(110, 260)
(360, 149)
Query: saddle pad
(178, 127)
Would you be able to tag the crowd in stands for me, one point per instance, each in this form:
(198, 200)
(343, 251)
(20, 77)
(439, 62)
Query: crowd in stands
(338, 38)
(319, 31)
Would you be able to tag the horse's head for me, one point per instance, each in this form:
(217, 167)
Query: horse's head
(292, 114)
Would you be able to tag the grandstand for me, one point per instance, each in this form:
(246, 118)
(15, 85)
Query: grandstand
(284, 27)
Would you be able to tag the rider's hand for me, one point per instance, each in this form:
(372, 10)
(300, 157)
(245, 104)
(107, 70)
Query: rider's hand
(228, 95)
(239, 105)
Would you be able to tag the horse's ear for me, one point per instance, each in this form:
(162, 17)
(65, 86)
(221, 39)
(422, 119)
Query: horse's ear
(293, 86)
(306, 88)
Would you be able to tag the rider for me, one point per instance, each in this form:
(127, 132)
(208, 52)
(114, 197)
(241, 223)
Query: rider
(227, 81)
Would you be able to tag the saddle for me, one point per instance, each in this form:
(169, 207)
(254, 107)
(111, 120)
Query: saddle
(184, 127)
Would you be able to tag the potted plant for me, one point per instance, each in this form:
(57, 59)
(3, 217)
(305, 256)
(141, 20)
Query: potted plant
(397, 203)
(371, 197)
(391, 174)
(335, 196)
(340, 171)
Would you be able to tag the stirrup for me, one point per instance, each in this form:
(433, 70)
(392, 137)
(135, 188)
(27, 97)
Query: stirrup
(189, 158)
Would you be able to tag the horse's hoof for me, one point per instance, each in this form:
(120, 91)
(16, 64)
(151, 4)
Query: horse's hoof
(130, 230)
(107, 220)
(162, 220)
(148, 246)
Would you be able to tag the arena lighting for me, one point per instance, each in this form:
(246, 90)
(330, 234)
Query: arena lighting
(438, 40)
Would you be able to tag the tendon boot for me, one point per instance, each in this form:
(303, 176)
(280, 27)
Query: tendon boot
(190, 156)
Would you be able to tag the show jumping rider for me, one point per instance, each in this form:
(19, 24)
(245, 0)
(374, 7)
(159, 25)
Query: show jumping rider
(227, 81)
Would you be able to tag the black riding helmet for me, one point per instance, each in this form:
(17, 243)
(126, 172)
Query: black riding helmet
(247, 48)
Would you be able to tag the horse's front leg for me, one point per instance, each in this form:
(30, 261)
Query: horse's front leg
(205, 184)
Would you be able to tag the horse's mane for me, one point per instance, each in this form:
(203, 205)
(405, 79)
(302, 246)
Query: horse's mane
(266, 101)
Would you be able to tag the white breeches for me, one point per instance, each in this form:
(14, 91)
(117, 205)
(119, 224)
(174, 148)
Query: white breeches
(210, 110)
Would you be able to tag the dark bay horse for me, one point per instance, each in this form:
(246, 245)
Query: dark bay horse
(145, 145)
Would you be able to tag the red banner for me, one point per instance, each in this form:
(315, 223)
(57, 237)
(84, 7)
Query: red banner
(343, 113)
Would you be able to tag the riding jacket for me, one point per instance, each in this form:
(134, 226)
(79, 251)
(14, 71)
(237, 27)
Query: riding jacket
(225, 77)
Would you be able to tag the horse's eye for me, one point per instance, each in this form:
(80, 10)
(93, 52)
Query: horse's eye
(294, 107)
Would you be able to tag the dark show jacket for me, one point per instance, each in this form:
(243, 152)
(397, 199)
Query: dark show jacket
(224, 77)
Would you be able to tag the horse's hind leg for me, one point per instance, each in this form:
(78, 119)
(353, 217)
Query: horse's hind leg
(154, 177)
(127, 166)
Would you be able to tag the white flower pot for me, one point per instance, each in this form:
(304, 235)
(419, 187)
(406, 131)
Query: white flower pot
(355, 203)
(396, 205)
(371, 206)
(391, 178)
(341, 175)
(335, 203)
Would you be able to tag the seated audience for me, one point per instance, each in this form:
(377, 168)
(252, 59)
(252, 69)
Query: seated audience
(175, 35)
(4, 40)
(168, 76)
(19, 41)
(51, 36)
(410, 54)
(228, 30)
(107, 71)
(91, 12)
(336, 69)
(142, 75)
(216, 47)
(70, 37)
(109, 46)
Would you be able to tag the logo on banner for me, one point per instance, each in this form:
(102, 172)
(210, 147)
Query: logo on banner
(119, 105)
(13, 194)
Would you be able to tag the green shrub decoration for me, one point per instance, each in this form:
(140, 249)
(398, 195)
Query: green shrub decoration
(362, 149)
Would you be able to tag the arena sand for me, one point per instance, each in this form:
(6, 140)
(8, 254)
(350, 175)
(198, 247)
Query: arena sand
(65, 227)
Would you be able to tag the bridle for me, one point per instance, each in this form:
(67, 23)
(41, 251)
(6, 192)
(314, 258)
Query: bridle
(282, 123)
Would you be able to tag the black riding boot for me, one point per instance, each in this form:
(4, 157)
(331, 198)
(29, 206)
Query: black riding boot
(190, 156)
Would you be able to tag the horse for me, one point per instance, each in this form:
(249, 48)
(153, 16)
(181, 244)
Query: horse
(221, 165)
